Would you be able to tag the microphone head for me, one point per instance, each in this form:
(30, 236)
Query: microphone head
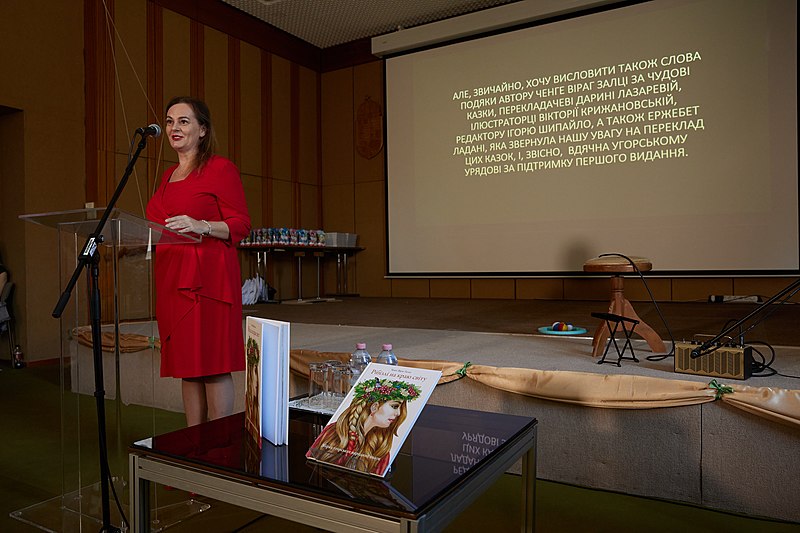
(155, 129)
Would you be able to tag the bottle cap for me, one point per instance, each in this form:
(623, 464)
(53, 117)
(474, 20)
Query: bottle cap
(361, 346)
(387, 347)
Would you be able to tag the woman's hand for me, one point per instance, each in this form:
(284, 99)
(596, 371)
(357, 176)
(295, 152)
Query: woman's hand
(186, 224)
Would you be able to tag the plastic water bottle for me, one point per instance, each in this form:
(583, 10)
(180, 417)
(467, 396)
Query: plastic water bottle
(386, 357)
(359, 360)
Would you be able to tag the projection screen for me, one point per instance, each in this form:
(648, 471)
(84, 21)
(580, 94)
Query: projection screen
(665, 129)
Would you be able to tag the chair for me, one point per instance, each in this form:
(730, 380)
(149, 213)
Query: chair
(620, 306)
(7, 316)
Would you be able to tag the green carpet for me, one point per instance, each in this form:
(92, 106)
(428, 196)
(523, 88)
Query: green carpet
(31, 472)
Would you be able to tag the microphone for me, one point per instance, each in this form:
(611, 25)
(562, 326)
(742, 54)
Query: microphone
(705, 349)
(153, 130)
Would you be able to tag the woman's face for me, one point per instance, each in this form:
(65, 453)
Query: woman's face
(183, 130)
(385, 414)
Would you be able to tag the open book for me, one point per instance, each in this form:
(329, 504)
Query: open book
(267, 380)
(369, 427)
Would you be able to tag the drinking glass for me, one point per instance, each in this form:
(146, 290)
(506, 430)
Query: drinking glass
(317, 381)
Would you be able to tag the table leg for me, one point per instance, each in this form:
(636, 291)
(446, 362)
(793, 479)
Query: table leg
(139, 510)
(318, 273)
(339, 273)
(529, 491)
(299, 256)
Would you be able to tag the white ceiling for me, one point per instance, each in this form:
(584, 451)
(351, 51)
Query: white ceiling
(326, 23)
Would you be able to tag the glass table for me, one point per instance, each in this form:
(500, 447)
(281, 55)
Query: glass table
(449, 459)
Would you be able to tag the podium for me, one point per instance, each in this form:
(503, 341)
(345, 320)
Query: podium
(131, 369)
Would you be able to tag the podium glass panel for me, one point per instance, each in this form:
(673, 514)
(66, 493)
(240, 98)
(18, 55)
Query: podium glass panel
(138, 402)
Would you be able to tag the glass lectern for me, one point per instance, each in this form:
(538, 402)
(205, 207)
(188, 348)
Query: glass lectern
(138, 402)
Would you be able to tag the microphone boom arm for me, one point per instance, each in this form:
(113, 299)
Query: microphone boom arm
(709, 346)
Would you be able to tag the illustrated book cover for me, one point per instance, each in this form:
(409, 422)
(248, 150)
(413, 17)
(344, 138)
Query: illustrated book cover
(377, 414)
(267, 380)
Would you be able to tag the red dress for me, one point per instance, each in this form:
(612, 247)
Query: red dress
(198, 286)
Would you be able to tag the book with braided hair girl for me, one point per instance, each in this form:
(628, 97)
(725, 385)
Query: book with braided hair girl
(365, 434)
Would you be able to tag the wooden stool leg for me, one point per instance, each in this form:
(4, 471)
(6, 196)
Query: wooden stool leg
(621, 306)
(644, 330)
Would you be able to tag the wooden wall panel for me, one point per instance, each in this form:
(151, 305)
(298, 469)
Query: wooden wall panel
(133, 106)
(765, 288)
(251, 112)
(309, 198)
(338, 208)
(266, 139)
(587, 288)
(368, 84)
(371, 263)
(308, 134)
(176, 65)
(699, 289)
(450, 288)
(281, 123)
(281, 203)
(197, 52)
(337, 127)
(130, 56)
(636, 290)
(252, 192)
(410, 288)
(493, 288)
(135, 195)
(338, 214)
(540, 289)
(234, 102)
(337, 172)
(216, 86)
(154, 89)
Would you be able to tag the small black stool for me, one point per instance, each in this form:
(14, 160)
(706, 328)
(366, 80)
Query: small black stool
(609, 319)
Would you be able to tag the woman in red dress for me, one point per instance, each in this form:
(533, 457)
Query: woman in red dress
(198, 286)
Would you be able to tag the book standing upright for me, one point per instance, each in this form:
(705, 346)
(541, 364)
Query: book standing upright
(267, 380)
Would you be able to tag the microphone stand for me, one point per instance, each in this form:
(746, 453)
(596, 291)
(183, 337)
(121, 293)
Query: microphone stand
(713, 344)
(89, 259)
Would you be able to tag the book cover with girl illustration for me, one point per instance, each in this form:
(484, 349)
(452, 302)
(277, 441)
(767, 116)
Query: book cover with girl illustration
(369, 427)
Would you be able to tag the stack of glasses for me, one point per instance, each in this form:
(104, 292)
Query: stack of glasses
(328, 384)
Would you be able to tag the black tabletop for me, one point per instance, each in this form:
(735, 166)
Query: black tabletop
(445, 447)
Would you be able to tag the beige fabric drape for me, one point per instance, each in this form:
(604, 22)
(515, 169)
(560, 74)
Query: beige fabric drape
(128, 342)
(597, 390)
(580, 388)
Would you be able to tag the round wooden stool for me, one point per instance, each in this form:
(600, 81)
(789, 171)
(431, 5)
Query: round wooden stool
(617, 266)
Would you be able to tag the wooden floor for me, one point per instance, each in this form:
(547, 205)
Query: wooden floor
(778, 325)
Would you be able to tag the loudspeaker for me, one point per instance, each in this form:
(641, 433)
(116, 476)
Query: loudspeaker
(735, 362)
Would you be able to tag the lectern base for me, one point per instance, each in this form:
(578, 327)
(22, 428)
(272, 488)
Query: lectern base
(81, 510)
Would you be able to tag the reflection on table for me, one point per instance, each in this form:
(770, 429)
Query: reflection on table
(449, 459)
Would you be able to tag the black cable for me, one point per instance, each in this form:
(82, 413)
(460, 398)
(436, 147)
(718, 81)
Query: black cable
(763, 368)
(671, 352)
(246, 525)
